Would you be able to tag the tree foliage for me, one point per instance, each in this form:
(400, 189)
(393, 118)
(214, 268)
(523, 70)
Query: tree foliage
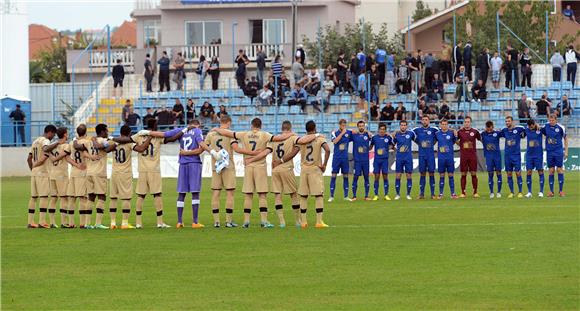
(49, 67)
(422, 10)
(354, 36)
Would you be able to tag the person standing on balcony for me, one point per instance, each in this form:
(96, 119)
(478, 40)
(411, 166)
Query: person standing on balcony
(242, 61)
(202, 68)
(261, 65)
(148, 73)
(118, 76)
(179, 74)
(164, 72)
(572, 58)
(214, 72)
(300, 53)
(557, 61)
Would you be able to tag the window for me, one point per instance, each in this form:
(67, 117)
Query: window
(207, 32)
(268, 31)
(151, 31)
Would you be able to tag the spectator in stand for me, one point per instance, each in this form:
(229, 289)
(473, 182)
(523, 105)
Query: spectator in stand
(461, 81)
(260, 66)
(125, 111)
(252, 88)
(179, 73)
(285, 85)
(149, 116)
(313, 83)
(300, 53)
(202, 68)
(543, 106)
(149, 72)
(190, 113)
(511, 72)
(329, 85)
(496, 63)
(178, 112)
(388, 113)
(445, 112)
(241, 61)
(374, 111)
(374, 83)
(164, 72)
(437, 86)
(390, 74)
(265, 96)
(564, 110)
(557, 62)
(222, 112)
(512, 64)
(354, 69)
(467, 54)
(421, 109)
(523, 108)
(341, 71)
(478, 91)
(297, 70)
(429, 60)
(118, 77)
(569, 13)
(133, 120)
(330, 73)
(482, 66)
(446, 63)
(277, 73)
(206, 113)
(415, 67)
(381, 59)
(403, 79)
(165, 118)
(214, 72)
(370, 60)
(526, 63)
(432, 112)
(457, 57)
(298, 96)
(362, 90)
(362, 59)
(400, 112)
(572, 58)
(436, 66)
(18, 119)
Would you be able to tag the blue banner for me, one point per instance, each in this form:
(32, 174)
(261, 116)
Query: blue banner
(229, 1)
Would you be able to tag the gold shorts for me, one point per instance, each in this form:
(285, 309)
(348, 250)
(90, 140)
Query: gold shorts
(39, 186)
(77, 187)
(97, 185)
(59, 187)
(284, 181)
(255, 179)
(121, 186)
(226, 180)
(149, 183)
(311, 182)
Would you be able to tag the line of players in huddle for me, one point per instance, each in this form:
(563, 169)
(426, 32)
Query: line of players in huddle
(426, 137)
(87, 182)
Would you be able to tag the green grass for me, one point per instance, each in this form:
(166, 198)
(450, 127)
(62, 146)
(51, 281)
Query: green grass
(461, 254)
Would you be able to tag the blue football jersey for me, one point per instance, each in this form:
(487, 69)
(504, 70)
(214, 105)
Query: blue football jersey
(341, 148)
(403, 141)
(534, 146)
(554, 137)
(445, 142)
(425, 139)
(513, 138)
(490, 141)
(360, 146)
(382, 145)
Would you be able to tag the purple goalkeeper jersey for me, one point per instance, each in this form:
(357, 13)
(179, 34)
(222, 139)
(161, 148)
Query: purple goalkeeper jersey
(189, 141)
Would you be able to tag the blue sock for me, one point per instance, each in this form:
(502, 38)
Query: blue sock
(386, 185)
(398, 186)
(520, 183)
(421, 185)
(354, 186)
(180, 204)
(409, 185)
(441, 185)
(345, 186)
(195, 206)
(332, 185)
(376, 186)
(511, 183)
(367, 185)
(542, 182)
(452, 184)
(499, 182)
(561, 181)
(432, 184)
(551, 182)
(529, 183)
(490, 181)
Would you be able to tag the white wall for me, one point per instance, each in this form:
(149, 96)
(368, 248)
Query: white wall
(14, 49)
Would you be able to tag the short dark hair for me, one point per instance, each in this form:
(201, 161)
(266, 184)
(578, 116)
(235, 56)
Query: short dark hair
(489, 123)
(403, 122)
(257, 123)
(382, 125)
(100, 128)
(359, 122)
(310, 126)
(118, 61)
(531, 122)
(286, 125)
(147, 55)
(225, 119)
(423, 117)
(468, 117)
(82, 130)
(61, 131)
(443, 120)
(509, 117)
(125, 130)
(152, 124)
(49, 129)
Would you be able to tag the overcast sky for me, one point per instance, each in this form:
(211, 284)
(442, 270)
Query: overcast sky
(85, 14)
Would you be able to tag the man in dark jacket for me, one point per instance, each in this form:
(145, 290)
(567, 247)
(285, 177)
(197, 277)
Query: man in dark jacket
(300, 53)
(118, 76)
(163, 72)
(19, 120)
(482, 66)
(467, 59)
(457, 57)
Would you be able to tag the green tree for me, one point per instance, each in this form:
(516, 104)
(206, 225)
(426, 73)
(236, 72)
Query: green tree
(421, 11)
(49, 67)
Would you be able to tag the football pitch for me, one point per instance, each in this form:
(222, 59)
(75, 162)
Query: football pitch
(448, 254)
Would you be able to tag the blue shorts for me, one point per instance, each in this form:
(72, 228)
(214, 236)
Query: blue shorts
(555, 160)
(340, 165)
(513, 163)
(361, 168)
(493, 163)
(534, 163)
(426, 164)
(381, 166)
(445, 165)
(404, 165)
